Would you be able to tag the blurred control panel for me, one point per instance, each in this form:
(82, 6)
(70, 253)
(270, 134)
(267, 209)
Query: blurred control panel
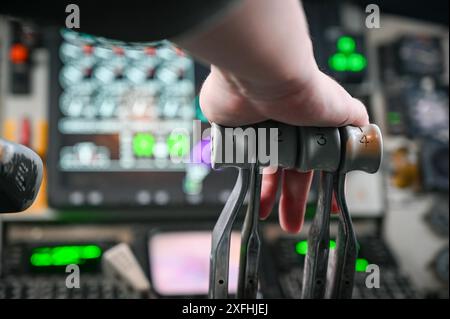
(125, 115)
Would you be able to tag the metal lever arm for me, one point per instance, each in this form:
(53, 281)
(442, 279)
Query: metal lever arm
(316, 262)
(250, 241)
(342, 266)
(221, 237)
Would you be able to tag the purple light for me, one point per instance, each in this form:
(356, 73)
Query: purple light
(201, 152)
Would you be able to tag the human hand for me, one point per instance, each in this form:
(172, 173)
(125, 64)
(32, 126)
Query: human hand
(312, 99)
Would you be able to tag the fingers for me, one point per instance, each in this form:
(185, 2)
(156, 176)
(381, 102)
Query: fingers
(268, 192)
(295, 189)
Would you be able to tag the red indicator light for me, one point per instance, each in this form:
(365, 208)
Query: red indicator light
(88, 49)
(150, 51)
(18, 53)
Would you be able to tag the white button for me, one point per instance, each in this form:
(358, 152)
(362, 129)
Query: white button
(160, 150)
(95, 198)
(76, 198)
(143, 197)
(161, 197)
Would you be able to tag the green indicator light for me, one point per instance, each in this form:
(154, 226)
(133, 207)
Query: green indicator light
(356, 62)
(178, 144)
(90, 252)
(338, 62)
(41, 259)
(332, 244)
(65, 256)
(394, 117)
(143, 144)
(346, 44)
(302, 247)
(361, 264)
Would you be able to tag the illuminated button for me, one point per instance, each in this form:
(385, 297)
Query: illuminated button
(338, 62)
(302, 246)
(346, 44)
(361, 264)
(143, 145)
(18, 53)
(356, 62)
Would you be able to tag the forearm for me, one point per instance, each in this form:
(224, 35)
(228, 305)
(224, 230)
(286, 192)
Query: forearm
(261, 43)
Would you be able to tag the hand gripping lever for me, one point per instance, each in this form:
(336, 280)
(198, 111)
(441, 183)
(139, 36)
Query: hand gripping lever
(330, 150)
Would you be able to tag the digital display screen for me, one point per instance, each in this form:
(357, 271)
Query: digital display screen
(179, 262)
(120, 105)
(122, 123)
(52, 258)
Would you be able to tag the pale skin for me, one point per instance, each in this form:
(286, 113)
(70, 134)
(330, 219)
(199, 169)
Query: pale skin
(262, 67)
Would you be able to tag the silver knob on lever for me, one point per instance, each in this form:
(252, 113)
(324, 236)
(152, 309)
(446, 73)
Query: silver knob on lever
(362, 148)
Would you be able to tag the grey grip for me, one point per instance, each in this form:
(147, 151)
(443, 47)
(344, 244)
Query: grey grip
(319, 149)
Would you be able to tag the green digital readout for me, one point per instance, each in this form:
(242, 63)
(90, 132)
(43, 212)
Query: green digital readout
(64, 255)
(346, 59)
(302, 249)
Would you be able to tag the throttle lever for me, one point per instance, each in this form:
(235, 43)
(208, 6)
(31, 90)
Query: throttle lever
(362, 150)
(330, 150)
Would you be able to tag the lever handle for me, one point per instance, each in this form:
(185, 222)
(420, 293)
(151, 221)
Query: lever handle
(272, 143)
(362, 148)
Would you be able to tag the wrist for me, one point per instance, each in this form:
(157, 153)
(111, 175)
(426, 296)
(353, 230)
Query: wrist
(273, 86)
